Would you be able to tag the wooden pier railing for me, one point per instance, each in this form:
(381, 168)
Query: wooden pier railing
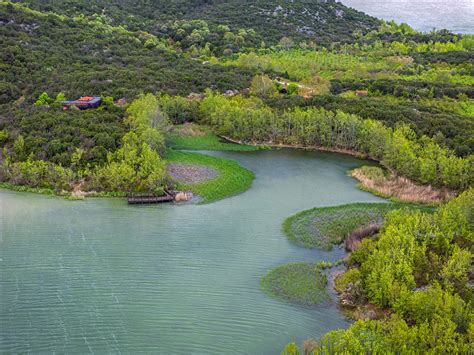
(144, 199)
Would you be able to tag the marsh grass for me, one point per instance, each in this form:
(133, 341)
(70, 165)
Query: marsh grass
(195, 137)
(232, 178)
(373, 179)
(300, 283)
(324, 227)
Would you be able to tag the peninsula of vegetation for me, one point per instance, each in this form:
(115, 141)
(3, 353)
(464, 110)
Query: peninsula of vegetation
(158, 79)
(408, 286)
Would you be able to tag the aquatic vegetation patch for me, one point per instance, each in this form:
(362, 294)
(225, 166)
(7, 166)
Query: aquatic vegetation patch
(324, 227)
(231, 178)
(301, 283)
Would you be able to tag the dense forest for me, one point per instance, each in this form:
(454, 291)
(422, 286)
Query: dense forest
(415, 274)
(223, 24)
(283, 73)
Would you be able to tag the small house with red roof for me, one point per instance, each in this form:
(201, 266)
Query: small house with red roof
(84, 102)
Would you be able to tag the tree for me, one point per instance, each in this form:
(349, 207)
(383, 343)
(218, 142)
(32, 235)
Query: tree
(43, 100)
(19, 148)
(291, 349)
(59, 98)
(286, 43)
(263, 86)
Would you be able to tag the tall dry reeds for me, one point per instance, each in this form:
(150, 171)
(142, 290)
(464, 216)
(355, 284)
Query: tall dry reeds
(354, 239)
(399, 187)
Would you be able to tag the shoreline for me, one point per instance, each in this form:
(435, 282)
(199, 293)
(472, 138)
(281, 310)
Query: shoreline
(411, 187)
(76, 195)
(228, 178)
(263, 145)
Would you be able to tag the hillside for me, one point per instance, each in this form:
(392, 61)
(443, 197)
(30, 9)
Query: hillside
(48, 52)
(321, 21)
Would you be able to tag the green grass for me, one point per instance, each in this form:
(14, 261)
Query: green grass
(36, 190)
(324, 227)
(232, 179)
(300, 283)
(208, 141)
(66, 194)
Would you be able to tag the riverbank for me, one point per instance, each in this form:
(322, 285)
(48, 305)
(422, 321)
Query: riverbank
(398, 188)
(373, 179)
(266, 145)
(210, 178)
(322, 228)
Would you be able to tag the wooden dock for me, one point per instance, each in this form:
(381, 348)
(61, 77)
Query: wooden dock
(146, 199)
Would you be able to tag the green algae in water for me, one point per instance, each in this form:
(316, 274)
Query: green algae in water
(300, 283)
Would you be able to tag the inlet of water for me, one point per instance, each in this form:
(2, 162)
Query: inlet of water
(101, 276)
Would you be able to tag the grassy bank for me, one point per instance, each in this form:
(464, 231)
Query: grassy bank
(232, 179)
(66, 194)
(301, 283)
(324, 227)
(36, 190)
(400, 189)
(195, 137)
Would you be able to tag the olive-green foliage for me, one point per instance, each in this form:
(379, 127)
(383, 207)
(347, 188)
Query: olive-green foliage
(36, 174)
(232, 179)
(382, 60)
(291, 349)
(418, 158)
(389, 270)
(54, 135)
(79, 55)
(350, 276)
(179, 109)
(400, 88)
(395, 336)
(136, 166)
(25, 188)
(419, 270)
(445, 119)
(148, 121)
(3, 136)
(230, 24)
(324, 227)
(300, 283)
(263, 86)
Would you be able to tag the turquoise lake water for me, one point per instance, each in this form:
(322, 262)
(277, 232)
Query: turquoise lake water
(422, 15)
(100, 276)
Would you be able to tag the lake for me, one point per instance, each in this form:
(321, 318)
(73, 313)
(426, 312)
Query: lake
(98, 276)
(423, 15)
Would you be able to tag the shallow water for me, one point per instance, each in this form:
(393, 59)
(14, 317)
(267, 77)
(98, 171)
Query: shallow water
(422, 15)
(101, 276)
